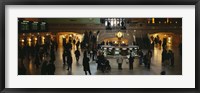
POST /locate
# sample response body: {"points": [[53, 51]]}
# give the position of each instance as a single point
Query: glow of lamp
{"points": [[22, 40], [43, 38], [167, 20], [153, 20], [169, 39], [29, 40]]}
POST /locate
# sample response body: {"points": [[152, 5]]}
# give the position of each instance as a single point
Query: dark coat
{"points": [[44, 69], [86, 65], [77, 53], [131, 60], [69, 60], [51, 69]]}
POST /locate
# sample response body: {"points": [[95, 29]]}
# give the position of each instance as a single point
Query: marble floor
{"points": [[77, 68]]}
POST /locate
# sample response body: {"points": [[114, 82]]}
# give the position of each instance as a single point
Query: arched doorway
{"points": [[67, 35], [172, 39]]}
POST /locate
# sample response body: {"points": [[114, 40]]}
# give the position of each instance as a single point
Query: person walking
{"points": [[149, 56], [164, 57], [69, 62], [77, 54], [94, 54], [77, 44], [140, 57], [171, 58], [86, 65], [131, 61], [52, 54]]}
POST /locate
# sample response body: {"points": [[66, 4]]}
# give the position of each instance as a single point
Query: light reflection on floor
{"points": [[77, 68]]}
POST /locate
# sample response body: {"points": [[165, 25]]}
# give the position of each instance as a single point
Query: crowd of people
{"points": [[87, 47], [44, 55], [41, 54]]}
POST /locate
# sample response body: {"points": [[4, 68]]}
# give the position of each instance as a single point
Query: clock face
{"points": [[119, 34]]}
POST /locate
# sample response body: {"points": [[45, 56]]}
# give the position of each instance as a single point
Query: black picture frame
{"points": [[3, 3]]}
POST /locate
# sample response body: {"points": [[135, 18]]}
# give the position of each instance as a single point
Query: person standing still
{"points": [[119, 61]]}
